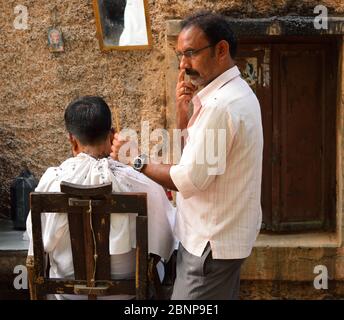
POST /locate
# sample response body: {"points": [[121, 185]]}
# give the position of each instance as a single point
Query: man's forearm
{"points": [[160, 173]]}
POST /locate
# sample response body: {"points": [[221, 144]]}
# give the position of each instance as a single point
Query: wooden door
{"points": [[297, 93]]}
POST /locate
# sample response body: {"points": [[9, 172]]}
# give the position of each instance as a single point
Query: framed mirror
{"points": [[122, 24]]}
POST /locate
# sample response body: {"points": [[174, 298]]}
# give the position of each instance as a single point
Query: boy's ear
{"points": [[74, 144], [112, 134]]}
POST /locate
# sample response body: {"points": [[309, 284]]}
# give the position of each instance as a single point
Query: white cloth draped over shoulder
{"points": [[135, 30], [86, 170]]}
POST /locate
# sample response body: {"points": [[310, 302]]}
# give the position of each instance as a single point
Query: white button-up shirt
{"points": [[219, 174]]}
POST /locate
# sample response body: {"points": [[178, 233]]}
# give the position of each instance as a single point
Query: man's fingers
{"points": [[186, 91], [181, 75], [117, 143], [114, 156], [185, 88], [115, 146], [191, 86], [186, 84], [118, 138]]}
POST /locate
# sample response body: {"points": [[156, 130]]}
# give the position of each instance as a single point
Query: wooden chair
{"points": [[88, 209]]}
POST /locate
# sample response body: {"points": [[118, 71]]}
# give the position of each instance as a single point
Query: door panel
{"points": [[295, 83], [300, 130]]}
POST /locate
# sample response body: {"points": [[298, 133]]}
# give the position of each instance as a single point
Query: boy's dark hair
{"points": [[88, 119], [215, 26]]}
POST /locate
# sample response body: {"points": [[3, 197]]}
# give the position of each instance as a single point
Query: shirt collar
{"points": [[83, 155], [217, 83]]}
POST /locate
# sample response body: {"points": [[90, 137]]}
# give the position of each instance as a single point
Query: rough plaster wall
{"points": [[36, 85]]}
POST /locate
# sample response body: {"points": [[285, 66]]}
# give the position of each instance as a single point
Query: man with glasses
{"points": [[219, 212]]}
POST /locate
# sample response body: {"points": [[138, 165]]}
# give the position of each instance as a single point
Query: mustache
{"points": [[191, 72]]}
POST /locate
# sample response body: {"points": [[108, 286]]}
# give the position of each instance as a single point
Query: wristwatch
{"points": [[139, 162]]}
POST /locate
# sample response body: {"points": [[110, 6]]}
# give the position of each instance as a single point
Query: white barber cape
{"points": [[85, 170], [135, 30]]}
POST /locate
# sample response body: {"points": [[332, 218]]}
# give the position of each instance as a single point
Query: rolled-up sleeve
{"points": [[180, 177]]}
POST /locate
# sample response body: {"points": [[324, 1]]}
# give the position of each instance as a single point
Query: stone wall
{"points": [[36, 85]]}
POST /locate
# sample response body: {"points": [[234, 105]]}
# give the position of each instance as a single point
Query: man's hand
{"points": [[184, 93], [160, 173], [117, 143]]}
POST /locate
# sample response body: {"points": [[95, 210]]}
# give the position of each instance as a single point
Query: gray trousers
{"points": [[205, 278]]}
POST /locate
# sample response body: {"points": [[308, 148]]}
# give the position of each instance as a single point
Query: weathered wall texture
{"points": [[36, 85]]}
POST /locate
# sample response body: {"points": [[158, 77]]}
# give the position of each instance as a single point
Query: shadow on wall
{"points": [[10, 146]]}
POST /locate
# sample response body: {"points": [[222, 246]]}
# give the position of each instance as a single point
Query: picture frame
{"points": [[55, 40], [122, 24]]}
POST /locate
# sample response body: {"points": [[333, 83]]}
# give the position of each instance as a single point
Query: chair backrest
{"points": [[88, 209]]}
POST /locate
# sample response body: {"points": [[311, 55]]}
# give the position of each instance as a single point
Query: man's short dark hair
{"points": [[215, 27], [88, 119]]}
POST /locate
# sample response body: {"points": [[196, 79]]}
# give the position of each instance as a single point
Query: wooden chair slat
{"points": [[88, 209]]}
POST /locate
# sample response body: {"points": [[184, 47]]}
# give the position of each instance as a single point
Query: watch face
{"points": [[138, 163]]}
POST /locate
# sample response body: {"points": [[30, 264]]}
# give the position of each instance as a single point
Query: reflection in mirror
{"points": [[112, 19], [122, 24]]}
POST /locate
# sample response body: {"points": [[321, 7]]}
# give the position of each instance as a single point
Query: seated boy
{"points": [[88, 122]]}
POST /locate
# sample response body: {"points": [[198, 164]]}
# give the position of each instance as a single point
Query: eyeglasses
{"points": [[191, 53]]}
